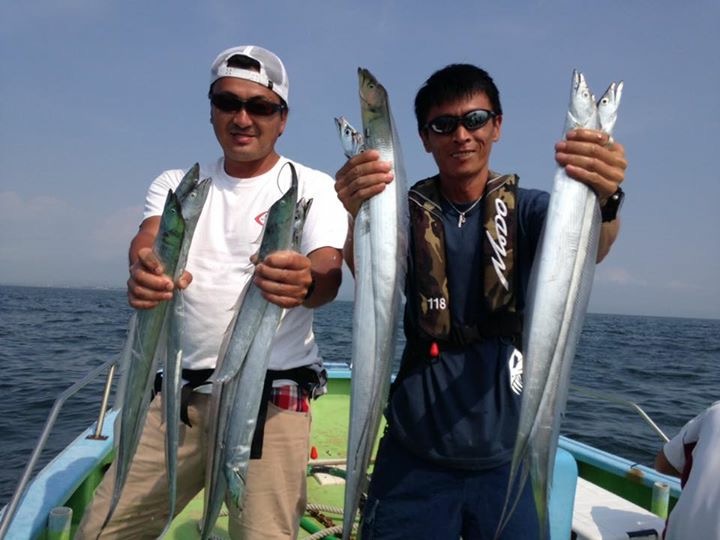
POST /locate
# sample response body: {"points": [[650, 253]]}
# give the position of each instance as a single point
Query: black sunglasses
{"points": [[472, 120], [227, 102]]}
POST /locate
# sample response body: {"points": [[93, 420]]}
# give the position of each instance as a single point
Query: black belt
{"points": [[194, 378], [308, 382]]}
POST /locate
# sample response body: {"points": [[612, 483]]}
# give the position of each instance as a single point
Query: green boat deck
{"points": [[329, 437]]}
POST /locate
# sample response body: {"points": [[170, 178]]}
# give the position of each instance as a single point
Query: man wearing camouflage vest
{"points": [[442, 467]]}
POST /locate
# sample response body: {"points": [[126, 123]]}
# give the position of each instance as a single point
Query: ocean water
{"points": [[50, 338]]}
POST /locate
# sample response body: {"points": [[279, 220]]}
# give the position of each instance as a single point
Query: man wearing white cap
{"points": [[249, 111]]}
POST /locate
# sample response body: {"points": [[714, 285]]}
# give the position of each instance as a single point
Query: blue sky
{"points": [[98, 97]]}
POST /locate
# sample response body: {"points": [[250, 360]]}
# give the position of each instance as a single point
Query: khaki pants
{"points": [[275, 494]]}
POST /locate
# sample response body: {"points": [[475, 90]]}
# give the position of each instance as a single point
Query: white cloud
{"points": [[47, 240], [43, 208], [617, 275]]}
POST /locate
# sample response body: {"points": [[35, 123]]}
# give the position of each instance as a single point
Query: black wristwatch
{"points": [[610, 209]]}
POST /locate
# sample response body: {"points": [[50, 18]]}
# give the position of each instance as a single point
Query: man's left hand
{"points": [[593, 158]]}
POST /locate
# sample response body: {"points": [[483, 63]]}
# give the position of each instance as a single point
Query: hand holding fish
{"points": [[148, 285], [284, 278], [362, 176], [593, 158]]}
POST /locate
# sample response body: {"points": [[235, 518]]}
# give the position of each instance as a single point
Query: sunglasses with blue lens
{"points": [[230, 103], [447, 124]]}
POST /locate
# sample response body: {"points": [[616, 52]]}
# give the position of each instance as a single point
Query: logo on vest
{"points": [[516, 371], [499, 245]]}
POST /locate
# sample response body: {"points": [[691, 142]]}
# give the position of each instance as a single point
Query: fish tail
{"points": [[111, 510], [517, 478]]}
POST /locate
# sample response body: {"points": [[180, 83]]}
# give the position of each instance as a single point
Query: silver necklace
{"points": [[461, 215]]}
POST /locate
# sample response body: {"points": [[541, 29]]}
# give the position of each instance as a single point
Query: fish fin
{"points": [[125, 360], [236, 487]]}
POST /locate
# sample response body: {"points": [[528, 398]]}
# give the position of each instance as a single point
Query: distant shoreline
{"points": [[112, 288], [79, 287]]}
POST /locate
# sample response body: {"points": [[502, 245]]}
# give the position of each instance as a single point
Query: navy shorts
{"points": [[414, 498]]}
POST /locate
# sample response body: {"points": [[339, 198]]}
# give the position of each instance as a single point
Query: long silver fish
{"points": [[241, 428], [558, 294], [192, 200], [249, 320], [543, 447], [380, 243], [139, 365]]}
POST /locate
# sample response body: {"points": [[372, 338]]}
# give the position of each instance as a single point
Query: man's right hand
{"points": [[148, 285], [362, 176]]}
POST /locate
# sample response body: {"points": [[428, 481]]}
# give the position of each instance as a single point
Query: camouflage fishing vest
{"points": [[431, 296]]}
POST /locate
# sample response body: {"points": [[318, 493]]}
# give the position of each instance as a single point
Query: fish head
{"points": [[193, 202], [172, 226], [372, 93], [350, 138], [608, 106], [277, 232], [302, 208], [172, 212], [188, 182], [289, 198], [582, 111]]}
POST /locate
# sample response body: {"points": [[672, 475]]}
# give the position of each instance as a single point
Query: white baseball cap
{"points": [[272, 72]]}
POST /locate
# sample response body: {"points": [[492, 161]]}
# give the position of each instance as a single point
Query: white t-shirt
{"points": [[228, 232], [695, 451]]}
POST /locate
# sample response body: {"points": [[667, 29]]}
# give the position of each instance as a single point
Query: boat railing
{"points": [[110, 365], [603, 396]]}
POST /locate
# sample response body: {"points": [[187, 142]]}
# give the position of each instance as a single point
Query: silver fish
{"points": [[140, 366], [380, 243], [543, 447], [350, 138], [241, 428], [192, 202], [558, 294], [250, 318]]}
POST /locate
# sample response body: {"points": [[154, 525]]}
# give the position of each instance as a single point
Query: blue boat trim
{"points": [[612, 463], [59, 479]]}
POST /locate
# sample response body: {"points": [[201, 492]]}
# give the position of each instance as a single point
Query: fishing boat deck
{"points": [[603, 488], [598, 513]]}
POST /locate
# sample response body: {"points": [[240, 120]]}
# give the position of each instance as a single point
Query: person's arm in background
{"points": [[664, 466]]}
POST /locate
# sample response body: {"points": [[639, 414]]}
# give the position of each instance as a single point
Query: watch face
{"points": [[617, 199]]}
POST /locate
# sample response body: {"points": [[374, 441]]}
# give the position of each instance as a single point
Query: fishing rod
{"points": [[617, 399]]}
